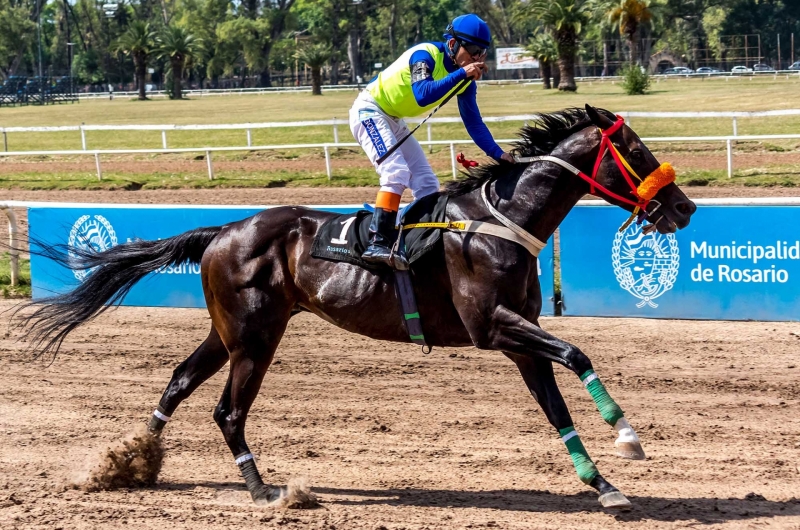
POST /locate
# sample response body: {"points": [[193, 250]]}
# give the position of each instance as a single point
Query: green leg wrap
{"points": [[608, 408], [580, 458]]}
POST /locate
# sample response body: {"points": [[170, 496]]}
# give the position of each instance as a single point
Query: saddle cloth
{"points": [[345, 237]]}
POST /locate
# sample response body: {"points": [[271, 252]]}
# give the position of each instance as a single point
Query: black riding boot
{"points": [[383, 234]]}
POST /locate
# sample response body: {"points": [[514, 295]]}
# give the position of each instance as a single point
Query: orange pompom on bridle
{"points": [[663, 175]]}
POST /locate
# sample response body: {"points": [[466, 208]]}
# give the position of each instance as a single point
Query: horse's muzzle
{"points": [[668, 217]]}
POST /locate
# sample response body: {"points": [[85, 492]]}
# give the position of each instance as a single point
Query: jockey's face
{"points": [[464, 57]]}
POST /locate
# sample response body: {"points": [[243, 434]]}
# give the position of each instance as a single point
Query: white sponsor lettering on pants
{"points": [[407, 167]]}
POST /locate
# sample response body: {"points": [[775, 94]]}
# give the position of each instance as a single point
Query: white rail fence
{"points": [[335, 123], [12, 241], [326, 148]]}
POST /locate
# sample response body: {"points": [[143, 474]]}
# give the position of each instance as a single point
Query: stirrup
{"points": [[397, 257], [386, 256], [399, 261]]}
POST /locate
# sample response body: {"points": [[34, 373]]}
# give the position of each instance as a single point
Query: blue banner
{"points": [[106, 226], [733, 262], [547, 278]]}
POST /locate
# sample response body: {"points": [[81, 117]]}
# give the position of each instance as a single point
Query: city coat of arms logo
{"points": [[645, 265], [92, 232]]}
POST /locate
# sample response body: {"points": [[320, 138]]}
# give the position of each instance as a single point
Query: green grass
{"points": [[740, 93], [149, 181], [23, 290], [671, 95], [786, 176]]}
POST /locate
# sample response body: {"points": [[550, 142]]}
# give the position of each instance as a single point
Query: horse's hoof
{"points": [[266, 495], [614, 500], [632, 450]]}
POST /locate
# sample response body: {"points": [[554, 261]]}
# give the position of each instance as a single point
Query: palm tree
{"points": [[177, 45], [564, 19], [630, 15], [315, 56], [543, 48], [139, 40]]}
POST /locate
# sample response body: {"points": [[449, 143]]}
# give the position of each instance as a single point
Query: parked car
{"points": [[762, 68], [795, 66], [741, 70], [678, 70], [707, 70]]}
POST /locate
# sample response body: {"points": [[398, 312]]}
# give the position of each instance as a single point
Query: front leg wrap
{"points": [[609, 410], [584, 466]]}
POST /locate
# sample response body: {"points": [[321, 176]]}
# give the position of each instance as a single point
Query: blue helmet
{"points": [[470, 28]]}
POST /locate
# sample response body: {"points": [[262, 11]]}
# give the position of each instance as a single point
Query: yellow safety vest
{"points": [[392, 89]]}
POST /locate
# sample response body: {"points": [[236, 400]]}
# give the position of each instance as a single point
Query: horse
{"points": [[472, 289]]}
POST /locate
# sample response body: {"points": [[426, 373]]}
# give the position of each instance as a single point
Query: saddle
{"points": [[346, 237]]}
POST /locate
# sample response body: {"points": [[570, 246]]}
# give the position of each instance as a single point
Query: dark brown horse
{"points": [[473, 290]]}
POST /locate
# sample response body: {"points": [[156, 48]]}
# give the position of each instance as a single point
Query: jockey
{"points": [[417, 82]]}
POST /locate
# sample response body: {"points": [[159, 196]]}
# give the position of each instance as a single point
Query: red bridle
{"points": [[622, 165], [644, 192]]}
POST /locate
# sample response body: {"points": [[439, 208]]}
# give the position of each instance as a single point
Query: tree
{"points": [[281, 57], [543, 48], [250, 40], [509, 20], [177, 45], [564, 19], [327, 21], [315, 56], [278, 18], [17, 34], [769, 18], [630, 16], [204, 17], [139, 41]]}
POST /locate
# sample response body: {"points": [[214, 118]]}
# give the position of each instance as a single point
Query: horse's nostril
{"points": [[685, 207]]}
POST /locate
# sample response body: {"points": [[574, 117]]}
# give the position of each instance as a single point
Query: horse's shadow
{"points": [[705, 510]]}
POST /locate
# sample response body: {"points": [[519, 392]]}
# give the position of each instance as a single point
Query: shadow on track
{"points": [[703, 510]]}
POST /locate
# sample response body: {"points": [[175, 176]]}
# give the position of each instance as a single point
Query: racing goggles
{"points": [[473, 50]]}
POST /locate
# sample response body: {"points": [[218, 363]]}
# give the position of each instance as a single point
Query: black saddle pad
{"points": [[345, 237]]}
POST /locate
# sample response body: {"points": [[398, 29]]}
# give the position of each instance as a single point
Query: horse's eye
{"points": [[637, 154]]}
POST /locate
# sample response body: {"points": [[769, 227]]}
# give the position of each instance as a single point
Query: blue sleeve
{"points": [[427, 91], [468, 107]]}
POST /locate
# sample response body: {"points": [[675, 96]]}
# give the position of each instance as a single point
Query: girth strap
{"points": [[510, 232]]}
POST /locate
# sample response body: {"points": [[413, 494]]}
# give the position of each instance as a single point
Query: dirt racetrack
{"points": [[391, 438]]}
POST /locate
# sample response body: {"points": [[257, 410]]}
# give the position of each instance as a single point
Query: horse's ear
{"points": [[598, 119]]}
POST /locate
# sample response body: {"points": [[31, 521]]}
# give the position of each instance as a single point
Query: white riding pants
{"points": [[377, 132]]}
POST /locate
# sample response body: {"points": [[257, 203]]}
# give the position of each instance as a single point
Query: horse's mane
{"points": [[540, 138]]}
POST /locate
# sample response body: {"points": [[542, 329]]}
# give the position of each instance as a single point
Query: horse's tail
{"points": [[116, 271]]}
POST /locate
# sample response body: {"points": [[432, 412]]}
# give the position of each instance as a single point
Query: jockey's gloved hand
{"points": [[476, 70], [507, 157]]}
